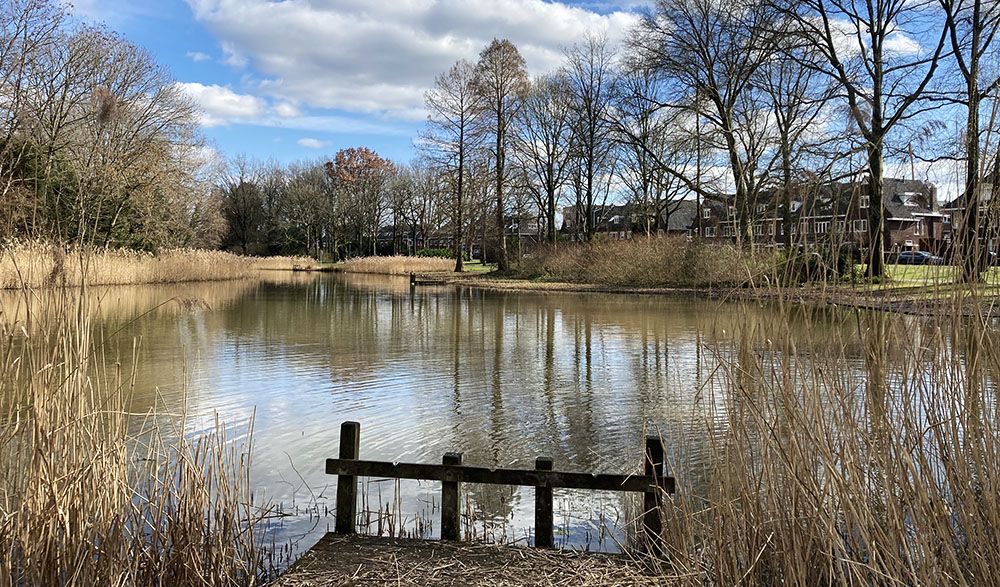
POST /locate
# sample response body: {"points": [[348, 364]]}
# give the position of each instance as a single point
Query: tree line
{"points": [[719, 100], [97, 143]]}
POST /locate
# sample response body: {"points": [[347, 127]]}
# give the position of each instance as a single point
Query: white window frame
{"points": [[864, 202], [710, 231], [918, 228], [706, 212]]}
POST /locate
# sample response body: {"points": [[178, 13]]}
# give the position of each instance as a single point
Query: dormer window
{"points": [[761, 208], [864, 202], [706, 212], [732, 211]]}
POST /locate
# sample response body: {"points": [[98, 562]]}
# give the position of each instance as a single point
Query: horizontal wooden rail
{"points": [[521, 477], [452, 473]]}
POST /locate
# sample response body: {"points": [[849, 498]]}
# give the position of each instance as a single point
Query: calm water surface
{"points": [[503, 377]]}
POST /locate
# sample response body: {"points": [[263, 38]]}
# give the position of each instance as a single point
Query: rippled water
{"points": [[503, 377]]}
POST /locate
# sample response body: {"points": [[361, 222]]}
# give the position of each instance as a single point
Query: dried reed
{"points": [[642, 262], [92, 495], [40, 264], [397, 265], [869, 458]]}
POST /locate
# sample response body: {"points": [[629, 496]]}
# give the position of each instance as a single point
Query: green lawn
{"points": [[479, 267], [924, 275]]}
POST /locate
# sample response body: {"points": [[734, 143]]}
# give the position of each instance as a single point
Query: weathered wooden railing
{"points": [[452, 473]]}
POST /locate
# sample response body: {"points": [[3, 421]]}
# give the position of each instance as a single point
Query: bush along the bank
{"points": [[654, 262]]}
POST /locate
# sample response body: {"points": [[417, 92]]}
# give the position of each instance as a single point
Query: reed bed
{"points": [[642, 262], [397, 265], [92, 494], [872, 459], [37, 265]]}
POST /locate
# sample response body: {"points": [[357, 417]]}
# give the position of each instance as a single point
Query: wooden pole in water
{"points": [[543, 508], [347, 485], [450, 504], [652, 500]]}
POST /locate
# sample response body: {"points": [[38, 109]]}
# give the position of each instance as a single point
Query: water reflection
{"points": [[502, 376]]}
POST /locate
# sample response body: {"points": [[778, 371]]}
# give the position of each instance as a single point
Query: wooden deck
{"points": [[340, 560]]}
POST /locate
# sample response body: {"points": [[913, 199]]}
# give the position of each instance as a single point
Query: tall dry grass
{"points": [[90, 496], [397, 265], [872, 458], [40, 264], [641, 262]]}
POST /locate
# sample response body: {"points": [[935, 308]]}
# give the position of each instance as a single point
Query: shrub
{"points": [[657, 262]]}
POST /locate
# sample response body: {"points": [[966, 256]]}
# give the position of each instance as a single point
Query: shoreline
{"points": [[907, 300]]}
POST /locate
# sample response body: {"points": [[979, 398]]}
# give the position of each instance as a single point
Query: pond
{"points": [[503, 377]]}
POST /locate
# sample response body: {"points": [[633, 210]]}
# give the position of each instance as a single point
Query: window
{"points": [[795, 229], [822, 227], [864, 202], [710, 231], [860, 226], [761, 208], [918, 228], [770, 228], [946, 220], [732, 211], [706, 212]]}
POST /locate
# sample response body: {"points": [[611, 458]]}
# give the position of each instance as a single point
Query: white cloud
{"points": [[286, 110], [313, 143], [902, 45], [220, 105], [380, 57], [198, 56]]}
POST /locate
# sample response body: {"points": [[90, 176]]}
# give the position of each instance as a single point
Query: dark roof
{"points": [[902, 198], [683, 217]]}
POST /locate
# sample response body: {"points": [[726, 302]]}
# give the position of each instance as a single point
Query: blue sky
{"points": [[300, 79]]}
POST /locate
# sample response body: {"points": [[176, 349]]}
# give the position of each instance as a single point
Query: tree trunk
{"points": [[876, 211]]}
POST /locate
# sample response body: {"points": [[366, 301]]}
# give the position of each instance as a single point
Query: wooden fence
{"points": [[452, 473]]}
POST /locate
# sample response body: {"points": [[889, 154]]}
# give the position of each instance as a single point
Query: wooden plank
{"points": [[651, 500], [543, 508], [525, 477], [347, 483], [450, 501]]}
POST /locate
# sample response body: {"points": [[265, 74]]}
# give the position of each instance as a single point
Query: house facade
{"points": [[838, 213], [626, 221]]}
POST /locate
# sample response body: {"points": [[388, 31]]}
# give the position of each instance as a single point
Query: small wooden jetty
{"points": [[345, 558], [416, 280]]}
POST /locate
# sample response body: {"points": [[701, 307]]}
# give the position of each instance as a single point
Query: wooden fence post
{"points": [[543, 507], [450, 504], [652, 500], [347, 485]]}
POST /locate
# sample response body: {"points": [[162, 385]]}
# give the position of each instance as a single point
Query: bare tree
{"points": [[590, 71], [708, 52], [883, 85], [454, 106], [972, 26], [502, 82], [544, 143], [651, 139]]}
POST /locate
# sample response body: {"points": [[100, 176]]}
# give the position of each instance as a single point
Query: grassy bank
{"points": [[642, 263], [46, 265], [91, 494]]}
